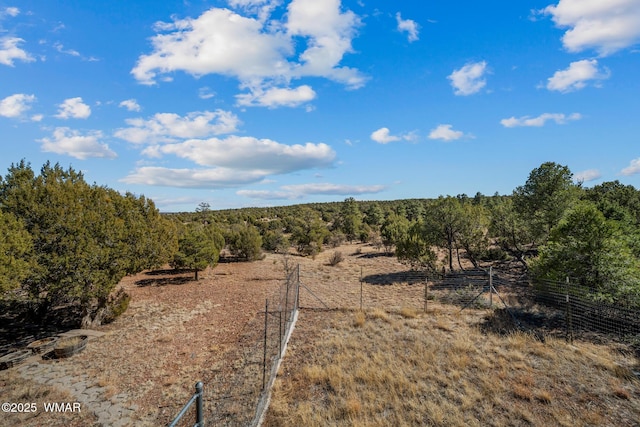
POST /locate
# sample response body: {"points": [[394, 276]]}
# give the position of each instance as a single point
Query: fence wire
{"points": [[239, 391], [559, 306], [583, 311]]}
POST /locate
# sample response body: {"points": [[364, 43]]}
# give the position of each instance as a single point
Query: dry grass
{"points": [[14, 388], [359, 319], [395, 369]]}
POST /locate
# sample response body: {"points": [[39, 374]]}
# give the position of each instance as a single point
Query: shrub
{"points": [[117, 305], [336, 239], [336, 258], [245, 242]]}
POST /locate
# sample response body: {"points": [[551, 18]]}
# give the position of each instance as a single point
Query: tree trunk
{"points": [[196, 274], [93, 318]]}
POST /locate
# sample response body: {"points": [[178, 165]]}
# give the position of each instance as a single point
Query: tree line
{"points": [[64, 241]]}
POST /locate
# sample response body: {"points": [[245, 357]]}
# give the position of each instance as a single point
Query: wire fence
{"points": [[531, 304], [238, 393], [584, 311], [239, 390]]}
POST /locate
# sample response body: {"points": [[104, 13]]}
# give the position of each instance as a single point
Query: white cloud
{"points": [[632, 169], [205, 93], [131, 105], [333, 189], [193, 178], [231, 162], [298, 191], [328, 33], [10, 11], [70, 142], [260, 8], [469, 79], [409, 26], [37, 118], [248, 153], [60, 48], [73, 108], [9, 51], [16, 105], [445, 133], [170, 127], [576, 76], [217, 42], [277, 97], [258, 52], [540, 120], [606, 26], [383, 136], [588, 175]]}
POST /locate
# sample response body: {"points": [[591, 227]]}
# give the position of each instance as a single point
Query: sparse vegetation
{"points": [[336, 258], [443, 371]]}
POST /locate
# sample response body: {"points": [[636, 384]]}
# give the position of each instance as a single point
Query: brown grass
{"points": [[396, 369], [14, 388]]}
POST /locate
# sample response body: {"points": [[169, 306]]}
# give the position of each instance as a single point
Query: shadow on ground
{"points": [[19, 327], [411, 277], [166, 277]]}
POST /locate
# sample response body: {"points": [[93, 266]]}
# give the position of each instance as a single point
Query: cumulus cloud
{"points": [[541, 120], [587, 175], [299, 191], [576, 76], [606, 26], [277, 97], [73, 108], [131, 105], [632, 169], [170, 127], [10, 52], [469, 79], [408, 26], [383, 136], [260, 53], [192, 178], [446, 133], [72, 143], [231, 161], [16, 105], [249, 153], [260, 8]]}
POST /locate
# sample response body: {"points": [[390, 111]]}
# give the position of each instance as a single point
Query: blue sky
{"points": [[261, 103]]}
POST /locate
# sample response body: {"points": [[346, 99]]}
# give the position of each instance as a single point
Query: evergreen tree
{"points": [[199, 247], [15, 252]]}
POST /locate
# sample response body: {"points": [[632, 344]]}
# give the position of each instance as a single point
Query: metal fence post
{"points": [[568, 316], [280, 332], [199, 405], [286, 300], [360, 288], [264, 356], [298, 290], [490, 286], [426, 293]]}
